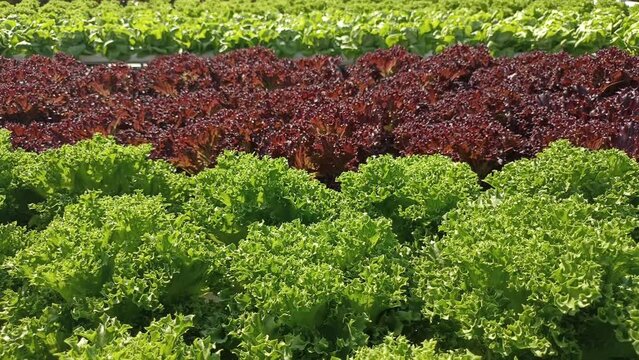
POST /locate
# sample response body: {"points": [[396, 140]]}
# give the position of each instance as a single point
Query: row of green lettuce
{"points": [[107, 254], [277, 6], [107, 29]]}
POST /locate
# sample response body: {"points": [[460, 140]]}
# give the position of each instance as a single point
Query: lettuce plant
{"points": [[414, 192], [37, 336], [399, 348], [243, 189], [533, 275], [163, 339], [315, 290], [562, 170], [59, 176], [122, 256], [14, 200], [97, 164], [12, 239]]}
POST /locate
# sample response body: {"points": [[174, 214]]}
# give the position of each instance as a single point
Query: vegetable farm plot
{"points": [[303, 28], [106, 253], [323, 179], [325, 116]]}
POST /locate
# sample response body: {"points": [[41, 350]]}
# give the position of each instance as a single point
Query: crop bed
{"points": [[106, 253], [348, 28], [327, 117], [319, 179]]}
